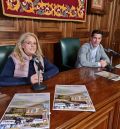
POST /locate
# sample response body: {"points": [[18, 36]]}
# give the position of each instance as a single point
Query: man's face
{"points": [[96, 39]]}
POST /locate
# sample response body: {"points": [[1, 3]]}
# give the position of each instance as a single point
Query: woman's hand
{"points": [[34, 78]]}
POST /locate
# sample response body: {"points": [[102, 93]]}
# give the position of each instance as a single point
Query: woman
{"points": [[21, 67]]}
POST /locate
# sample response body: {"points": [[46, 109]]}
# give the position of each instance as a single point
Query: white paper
{"points": [[72, 98], [109, 75], [117, 66], [27, 111]]}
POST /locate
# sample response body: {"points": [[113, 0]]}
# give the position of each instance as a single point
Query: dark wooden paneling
{"points": [[50, 32], [48, 50]]}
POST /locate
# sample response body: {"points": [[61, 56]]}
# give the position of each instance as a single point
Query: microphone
{"points": [[106, 50], [38, 63], [112, 51], [38, 86]]}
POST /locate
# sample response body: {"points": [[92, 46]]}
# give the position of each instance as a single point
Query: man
{"points": [[92, 54]]}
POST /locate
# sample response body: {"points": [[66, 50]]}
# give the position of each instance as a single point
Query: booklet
{"points": [[72, 98], [109, 75], [2, 96], [117, 66], [27, 111]]}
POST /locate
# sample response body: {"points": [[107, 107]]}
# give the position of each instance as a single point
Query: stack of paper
{"points": [[72, 98], [27, 111], [117, 66], [109, 75]]}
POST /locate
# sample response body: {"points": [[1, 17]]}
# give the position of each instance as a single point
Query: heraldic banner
{"points": [[65, 10]]}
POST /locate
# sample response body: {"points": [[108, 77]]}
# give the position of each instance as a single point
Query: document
{"points": [[27, 111], [2, 96], [109, 75], [72, 98], [117, 66]]}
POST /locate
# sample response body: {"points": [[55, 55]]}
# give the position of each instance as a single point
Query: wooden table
{"points": [[104, 93]]}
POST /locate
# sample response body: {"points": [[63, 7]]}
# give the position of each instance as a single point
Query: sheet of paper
{"points": [[72, 98], [27, 111], [117, 66], [109, 75]]}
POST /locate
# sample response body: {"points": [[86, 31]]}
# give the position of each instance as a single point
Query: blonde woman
{"points": [[21, 68]]}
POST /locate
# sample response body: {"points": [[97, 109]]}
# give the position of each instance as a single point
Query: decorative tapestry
{"points": [[66, 10]]}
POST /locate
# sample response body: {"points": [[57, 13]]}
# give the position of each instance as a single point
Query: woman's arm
{"points": [[50, 70], [7, 76]]}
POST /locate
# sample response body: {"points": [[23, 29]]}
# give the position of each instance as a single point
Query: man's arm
{"points": [[104, 55], [83, 58]]}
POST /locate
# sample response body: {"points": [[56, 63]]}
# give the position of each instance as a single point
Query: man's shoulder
{"points": [[86, 45], [101, 46]]}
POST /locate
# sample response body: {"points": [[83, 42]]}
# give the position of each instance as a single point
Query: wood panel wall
{"points": [[50, 32]]}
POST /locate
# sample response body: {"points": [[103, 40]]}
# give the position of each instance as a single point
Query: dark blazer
{"points": [[7, 76]]}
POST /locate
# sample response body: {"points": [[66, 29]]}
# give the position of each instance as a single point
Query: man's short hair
{"points": [[96, 32]]}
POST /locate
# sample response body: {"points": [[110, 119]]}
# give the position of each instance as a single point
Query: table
{"points": [[105, 95]]}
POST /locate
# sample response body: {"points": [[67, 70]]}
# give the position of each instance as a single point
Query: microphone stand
{"points": [[39, 86], [110, 67], [111, 60]]}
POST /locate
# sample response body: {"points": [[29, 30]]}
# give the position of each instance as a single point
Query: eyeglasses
{"points": [[31, 43]]}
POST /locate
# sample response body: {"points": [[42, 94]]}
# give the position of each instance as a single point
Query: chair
{"points": [[69, 49], [4, 53]]}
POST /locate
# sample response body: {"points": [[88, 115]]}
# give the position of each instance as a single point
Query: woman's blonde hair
{"points": [[18, 47]]}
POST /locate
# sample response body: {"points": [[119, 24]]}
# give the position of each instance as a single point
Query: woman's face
{"points": [[29, 46]]}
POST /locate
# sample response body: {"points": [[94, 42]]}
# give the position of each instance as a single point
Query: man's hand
{"points": [[103, 63]]}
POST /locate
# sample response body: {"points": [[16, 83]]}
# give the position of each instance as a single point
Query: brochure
{"points": [[3, 98], [27, 111], [2, 95], [109, 75], [117, 66], [72, 98]]}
